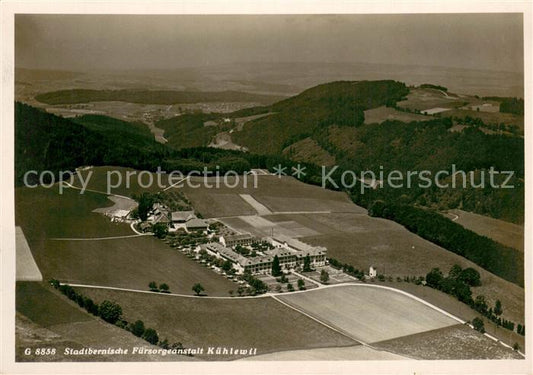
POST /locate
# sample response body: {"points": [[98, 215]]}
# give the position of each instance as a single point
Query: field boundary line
{"points": [[96, 191], [419, 300], [171, 186], [159, 293], [338, 330], [320, 321]]}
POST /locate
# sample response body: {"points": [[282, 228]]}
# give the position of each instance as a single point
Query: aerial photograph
{"points": [[269, 187]]}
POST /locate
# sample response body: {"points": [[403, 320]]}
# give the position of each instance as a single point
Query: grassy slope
{"points": [[262, 323], [44, 213], [47, 319], [456, 342]]}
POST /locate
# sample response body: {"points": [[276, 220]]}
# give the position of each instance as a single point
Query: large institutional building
{"points": [[290, 252]]}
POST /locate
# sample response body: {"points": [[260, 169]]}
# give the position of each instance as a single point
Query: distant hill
{"points": [[76, 96], [337, 103]]}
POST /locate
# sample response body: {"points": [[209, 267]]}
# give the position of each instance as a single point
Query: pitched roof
{"points": [[196, 223], [183, 215]]}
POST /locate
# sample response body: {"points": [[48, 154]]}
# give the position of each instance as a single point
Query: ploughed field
{"points": [[369, 314]]}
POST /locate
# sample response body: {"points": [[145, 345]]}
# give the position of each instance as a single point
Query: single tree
{"points": [[301, 284], [151, 336], [153, 286], [110, 311], [164, 288], [290, 288], [137, 328], [198, 288], [478, 324], [307, 264], [324, 276], [498, 308], [276, 268], [226, 266]]}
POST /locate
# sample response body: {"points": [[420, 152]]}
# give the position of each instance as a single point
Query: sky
{"points": [[124, 42]]}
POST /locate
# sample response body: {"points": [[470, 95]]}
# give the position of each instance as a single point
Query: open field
{"points": [[128, 263], [262, 322], [44, 213], [506, 233], [102, 177], [27, 269], [350, 353], [47, 319], [423, 99], [262, 226], [380, 114], [488, 117], [463, 311], [454, 342], [278, 195], [363, 241], [369, 314]]}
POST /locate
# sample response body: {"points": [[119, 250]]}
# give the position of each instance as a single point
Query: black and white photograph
{"points": [[266, 188]]}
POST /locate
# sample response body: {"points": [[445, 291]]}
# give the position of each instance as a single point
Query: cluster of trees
{"points": [[431, 86], [503, 261], [257, 286], [244, 251], [163, 288], [479, 123], [183, 238], [457, 283], [109, 311], [347, 268]]}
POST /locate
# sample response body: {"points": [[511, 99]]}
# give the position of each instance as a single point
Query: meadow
{"points": [[128, 263], [261, 322]]}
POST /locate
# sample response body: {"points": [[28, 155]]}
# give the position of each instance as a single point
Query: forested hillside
{"points": [[337, 103]]}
